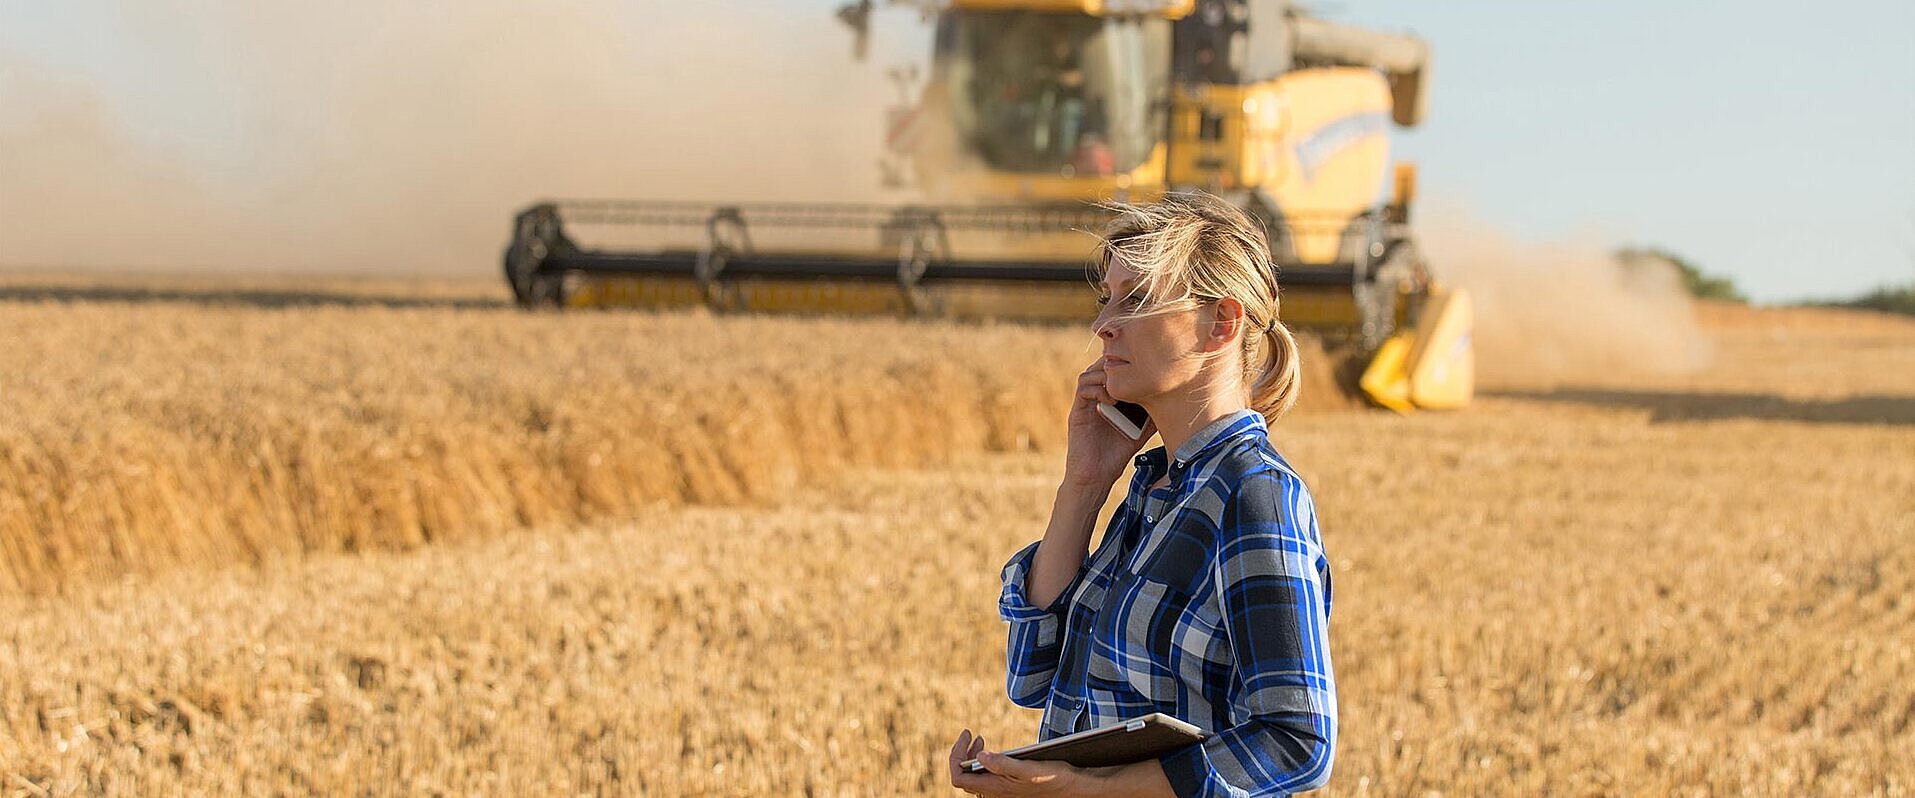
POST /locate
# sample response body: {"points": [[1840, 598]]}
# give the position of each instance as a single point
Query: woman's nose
{"points": [[1104, 326]]}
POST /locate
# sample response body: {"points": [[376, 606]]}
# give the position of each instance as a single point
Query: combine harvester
{"points": [[1033, 112]]}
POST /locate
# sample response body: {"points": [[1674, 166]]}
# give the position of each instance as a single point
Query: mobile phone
{"points": [[1126, 416]]}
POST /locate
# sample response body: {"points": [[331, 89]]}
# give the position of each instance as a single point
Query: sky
{"points": [[1771, 143]]}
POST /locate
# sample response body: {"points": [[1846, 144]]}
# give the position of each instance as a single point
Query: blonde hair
{"points": [[1193, 247]]}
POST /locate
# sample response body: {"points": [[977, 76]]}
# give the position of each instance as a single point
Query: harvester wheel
{"points": [[533, 240]]}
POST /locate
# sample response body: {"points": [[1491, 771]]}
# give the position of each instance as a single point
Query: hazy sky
{"points": [[1773, 142], [1770, 142]]}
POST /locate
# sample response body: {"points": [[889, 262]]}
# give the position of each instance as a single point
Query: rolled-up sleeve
{"points": [[1273, 589], [1036, 640]]}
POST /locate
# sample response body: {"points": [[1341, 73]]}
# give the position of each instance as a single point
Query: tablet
{"points": [[1148, 737]]}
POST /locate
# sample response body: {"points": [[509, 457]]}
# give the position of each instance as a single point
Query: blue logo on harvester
{"points": [[1332, 138]]}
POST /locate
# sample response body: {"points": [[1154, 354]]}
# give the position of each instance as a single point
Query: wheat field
{"points": [[381, 539]]}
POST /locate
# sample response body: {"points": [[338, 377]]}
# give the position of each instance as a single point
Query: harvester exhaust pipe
{"points": [[857, 15]]}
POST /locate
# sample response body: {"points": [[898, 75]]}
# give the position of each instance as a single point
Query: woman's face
{"points": [[1146, 357]]}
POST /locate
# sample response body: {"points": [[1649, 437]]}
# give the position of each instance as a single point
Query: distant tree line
{"points": [[1702, 285], [1698, 283], [1888, 298]]}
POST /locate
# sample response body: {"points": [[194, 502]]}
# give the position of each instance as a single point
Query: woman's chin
{"points": [[1122, 391]]}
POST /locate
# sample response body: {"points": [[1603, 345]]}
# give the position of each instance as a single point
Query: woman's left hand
{"points": [[1004, 776]]}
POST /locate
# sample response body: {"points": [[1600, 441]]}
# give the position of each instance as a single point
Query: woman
{"points": [[1209, 597]]}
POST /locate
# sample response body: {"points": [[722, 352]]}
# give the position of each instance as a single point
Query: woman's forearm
{"points": [[1144, 779], [1066, 542]]}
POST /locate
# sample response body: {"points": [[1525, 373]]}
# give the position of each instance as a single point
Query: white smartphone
{"points": [[1128, 417]]}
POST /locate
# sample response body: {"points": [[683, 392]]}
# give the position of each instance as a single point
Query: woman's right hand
{"points": [[1098, 450]]}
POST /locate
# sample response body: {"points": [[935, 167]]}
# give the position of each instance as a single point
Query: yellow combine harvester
{"points": [[1034, 110]]}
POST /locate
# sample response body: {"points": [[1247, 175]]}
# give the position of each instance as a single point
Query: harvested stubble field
{"points": [[674, 555]]}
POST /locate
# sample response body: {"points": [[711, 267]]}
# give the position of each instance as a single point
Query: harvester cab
{"points": [[1035, 111]]}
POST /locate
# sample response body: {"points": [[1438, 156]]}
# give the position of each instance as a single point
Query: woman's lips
{"points": [[1114, 361]]}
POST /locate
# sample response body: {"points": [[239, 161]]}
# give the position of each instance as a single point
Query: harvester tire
{"points": [[533, 240]]}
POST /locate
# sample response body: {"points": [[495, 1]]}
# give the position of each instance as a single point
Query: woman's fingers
{"points": [[1096, 394], [960, 751], [969, 747], [1091, 387]]}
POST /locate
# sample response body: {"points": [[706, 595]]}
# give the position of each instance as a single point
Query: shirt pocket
{"points": [[1177, 559], [1135, 639]]}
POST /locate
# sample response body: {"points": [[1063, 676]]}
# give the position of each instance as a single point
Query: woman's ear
{"points": [[1226, 324]]}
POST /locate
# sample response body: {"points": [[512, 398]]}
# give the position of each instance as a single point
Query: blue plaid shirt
{"points": [[1208, 600]]}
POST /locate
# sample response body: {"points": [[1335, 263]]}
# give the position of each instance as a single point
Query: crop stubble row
{"points": [[142, 436]]}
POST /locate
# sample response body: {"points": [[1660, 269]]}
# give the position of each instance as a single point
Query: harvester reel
{"points": [[925, 242], [536, 237], [725, 234]]}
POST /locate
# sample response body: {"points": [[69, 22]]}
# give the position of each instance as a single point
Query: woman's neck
{"points": [[1179, 416]]}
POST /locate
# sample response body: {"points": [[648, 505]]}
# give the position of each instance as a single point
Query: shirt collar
{"points": [[1215, 434]]}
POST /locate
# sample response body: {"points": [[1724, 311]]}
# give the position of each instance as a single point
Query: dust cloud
{"points": [[1562, 311], [368, 137]]}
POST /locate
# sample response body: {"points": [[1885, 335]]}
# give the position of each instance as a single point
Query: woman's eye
{"points": [[1102, 301]]}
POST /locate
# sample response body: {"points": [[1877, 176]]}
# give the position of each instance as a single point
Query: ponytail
{"points": [[1278, 380]]}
